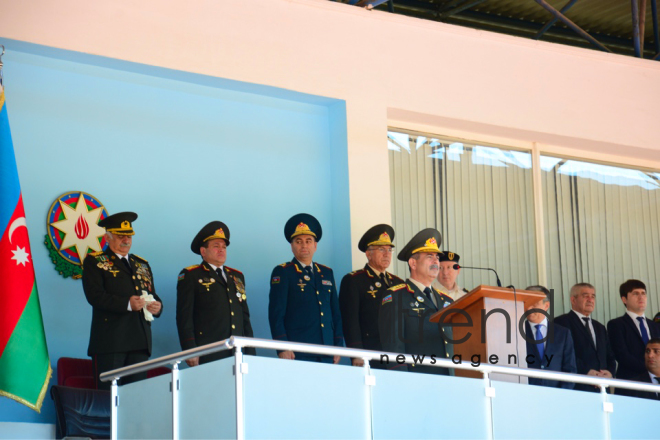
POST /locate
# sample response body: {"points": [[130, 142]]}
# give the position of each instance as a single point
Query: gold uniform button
{"points": [[136, 288], [232, 313], [320, 303], [133, 276], [229, 301], [321, 313], [233, 326], [200, 333], [322, 325]]}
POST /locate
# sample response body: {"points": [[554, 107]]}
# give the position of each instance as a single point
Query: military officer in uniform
{"points": [[303, 304], [449, 271], [362, 291], [211, 303], [120, 288], [411, 304]]}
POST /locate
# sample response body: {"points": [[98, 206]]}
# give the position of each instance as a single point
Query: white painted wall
{"points": [[389, 69]]}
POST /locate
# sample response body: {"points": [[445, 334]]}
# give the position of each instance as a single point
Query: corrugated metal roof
{"points": [[609, 21]]}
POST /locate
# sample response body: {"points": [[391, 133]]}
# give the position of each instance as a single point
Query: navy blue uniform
{"points": [[302, 310], [405, 327]]}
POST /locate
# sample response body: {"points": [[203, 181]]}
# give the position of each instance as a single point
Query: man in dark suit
{"points": [[303, 305], [406, 308], [593, 352], [549, 346], [211, 303], [362, 291], [630, 333], [120, 288], [652, 373]]}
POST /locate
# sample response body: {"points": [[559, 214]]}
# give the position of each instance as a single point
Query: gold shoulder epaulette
{"points": [[322, 265], [96, 254], [140, 258], [355, 272], [231, 269], [397, 287], [194, 266], [285, 264]]}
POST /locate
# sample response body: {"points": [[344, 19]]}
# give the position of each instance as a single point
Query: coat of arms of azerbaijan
{"points": [[73, 231]]}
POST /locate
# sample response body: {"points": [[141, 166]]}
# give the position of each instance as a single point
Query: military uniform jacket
{"points": [[208, 310], [405, 328], [108, 286], [360, 296], [301, 310]]}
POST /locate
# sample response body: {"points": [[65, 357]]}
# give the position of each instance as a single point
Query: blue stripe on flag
{"points": [[11, 189]]}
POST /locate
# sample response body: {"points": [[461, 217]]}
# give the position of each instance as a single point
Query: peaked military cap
{"points": [[211, 231], [302, 224], [425, 241], [120, 223], [449, 256], [379, 235]]}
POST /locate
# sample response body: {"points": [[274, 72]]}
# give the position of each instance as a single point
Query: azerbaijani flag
{"points": [[24, 364]]}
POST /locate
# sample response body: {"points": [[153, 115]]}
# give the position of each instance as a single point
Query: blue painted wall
{"points": [[180, 150]]}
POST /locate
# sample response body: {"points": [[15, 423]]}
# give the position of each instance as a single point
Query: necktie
{"points": [[127, 264], [642, 328], [429, 295], [221, 275], [383, 280], [310, 273], [586, 325], [539, 336]]}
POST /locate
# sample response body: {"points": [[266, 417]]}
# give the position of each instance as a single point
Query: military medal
{"points": [[302, 285], [420, 299], [378, 284], [307, 278], [206, 283], [244, 297], [372, 291], [239, 285]]}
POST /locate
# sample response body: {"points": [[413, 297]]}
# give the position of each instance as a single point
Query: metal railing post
{"points": [[114, 402], [238, 373], [489, 392], [175, 401], [369, 382], [608, 407]]}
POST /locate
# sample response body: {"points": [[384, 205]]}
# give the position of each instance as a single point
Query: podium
{"points": [[494, 335]]}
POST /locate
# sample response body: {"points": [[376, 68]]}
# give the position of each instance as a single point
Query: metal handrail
{"points": [[239, 341]]}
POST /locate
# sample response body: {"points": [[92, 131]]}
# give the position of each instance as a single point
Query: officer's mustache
{"points": [[435, 266]]}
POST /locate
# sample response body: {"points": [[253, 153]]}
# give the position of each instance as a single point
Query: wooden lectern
{"points": [[493, 304]]}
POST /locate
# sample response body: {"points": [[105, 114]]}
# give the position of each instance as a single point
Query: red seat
{"points": [[75, 373], [78, 373], [158, 371]]}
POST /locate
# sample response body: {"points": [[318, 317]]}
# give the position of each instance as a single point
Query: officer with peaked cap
{"points": [[120, 287], [412, 303], [303, 304], [362, 291], [449, 271], [211, 302]]}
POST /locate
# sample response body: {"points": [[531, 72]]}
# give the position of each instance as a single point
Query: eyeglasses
{"points": [[384, 250]]}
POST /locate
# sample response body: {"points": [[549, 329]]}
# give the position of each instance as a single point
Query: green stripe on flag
{"points": [[24, 366]]}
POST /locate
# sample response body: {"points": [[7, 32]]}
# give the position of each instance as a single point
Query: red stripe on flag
{"points": [[16, 273]]}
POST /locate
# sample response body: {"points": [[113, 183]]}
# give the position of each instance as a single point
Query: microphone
{"points": [[499, 283]]}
